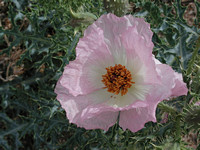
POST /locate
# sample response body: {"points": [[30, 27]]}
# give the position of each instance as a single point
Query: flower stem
{"points": [[178, 128]]}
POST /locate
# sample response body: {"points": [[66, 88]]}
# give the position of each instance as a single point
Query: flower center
{"points": [[117, 79]]}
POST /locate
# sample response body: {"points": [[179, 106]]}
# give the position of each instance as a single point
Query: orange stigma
{"points": [[117, 79]]}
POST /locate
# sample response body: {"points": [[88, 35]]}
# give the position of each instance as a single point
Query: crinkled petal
{"points": [[180, 87], [103, 121], [72, 107], [172, 81], [114, 26], [111, 25], [136, 46], [82, 111], [142, 28], [164, 90], [134, 119], [83, 114], [101, 117], [84, 75]]}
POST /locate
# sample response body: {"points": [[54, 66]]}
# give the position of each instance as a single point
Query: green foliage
{"points": [[117, 7], [47, 32]]}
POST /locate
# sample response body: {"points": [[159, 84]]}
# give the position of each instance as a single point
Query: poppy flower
{"points": [[115, 71]]}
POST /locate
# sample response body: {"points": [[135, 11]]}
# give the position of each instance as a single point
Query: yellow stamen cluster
{"points": [[117, 79]]}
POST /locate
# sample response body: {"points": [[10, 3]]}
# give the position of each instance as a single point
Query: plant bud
{"points": [[117, 7]]}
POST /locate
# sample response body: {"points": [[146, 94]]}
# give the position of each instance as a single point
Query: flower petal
{"points": [[134, 119], [114, 26], [98, 118], [79, 110], [83, 75], [142, 28], [180, 87], [84, 110], [172, 81], [136, 47], [118, 101]]}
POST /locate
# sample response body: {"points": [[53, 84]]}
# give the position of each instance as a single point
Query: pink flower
{"points": [[114, 71], [197, 103]]}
